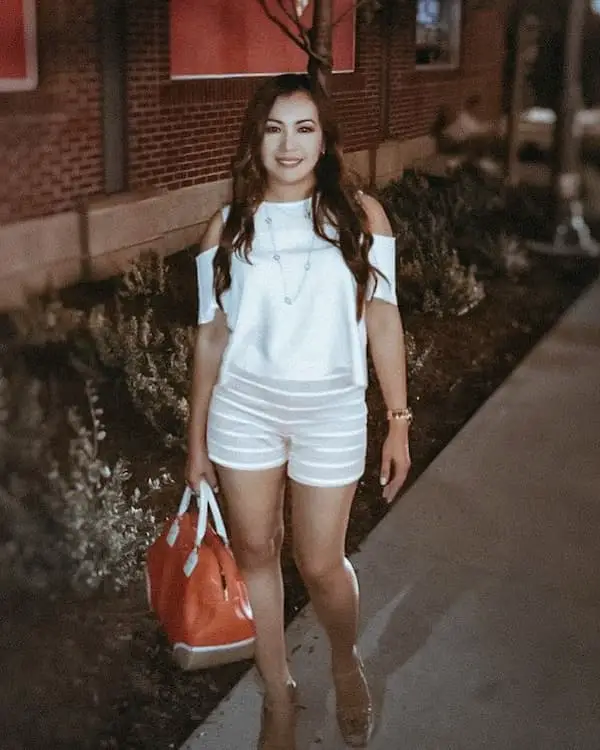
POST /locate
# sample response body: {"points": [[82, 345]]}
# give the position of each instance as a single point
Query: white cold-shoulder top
{"points": [[317, 337]]}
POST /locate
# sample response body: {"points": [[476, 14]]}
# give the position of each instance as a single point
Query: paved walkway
{"points": [[481, 587]]}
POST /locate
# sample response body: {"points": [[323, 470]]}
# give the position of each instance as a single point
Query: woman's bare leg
{"points": [[320, 520], [255, 512]]}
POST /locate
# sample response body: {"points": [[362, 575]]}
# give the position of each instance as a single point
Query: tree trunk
{"points": [[516, 103], [526, 47], [572, 233], [566, 138], [516, 106], [321, 36]]}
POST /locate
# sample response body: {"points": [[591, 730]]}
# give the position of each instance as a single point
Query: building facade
{"points": [[109, 155]]}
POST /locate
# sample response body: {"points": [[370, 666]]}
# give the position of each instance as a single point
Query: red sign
{"points": [[225, 38], [18, 45]]}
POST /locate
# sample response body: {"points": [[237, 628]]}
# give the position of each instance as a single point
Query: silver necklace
{"points": [[287, 297]]}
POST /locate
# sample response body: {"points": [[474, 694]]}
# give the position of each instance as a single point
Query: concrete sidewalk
{"points": [[481, 587]]}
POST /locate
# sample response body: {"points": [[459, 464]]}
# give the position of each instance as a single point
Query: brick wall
{"points": [[180, 133], [50, 138], [417, 95], [184, 133]]}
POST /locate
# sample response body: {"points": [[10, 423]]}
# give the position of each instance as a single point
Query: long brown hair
{"points": [[334, 200]]}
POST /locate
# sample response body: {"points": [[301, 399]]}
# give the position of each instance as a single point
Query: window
{"points": [[596, 6], [438, 33]]}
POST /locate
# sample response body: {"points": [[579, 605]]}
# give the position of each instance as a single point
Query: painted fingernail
{"points": [[382, 481]]}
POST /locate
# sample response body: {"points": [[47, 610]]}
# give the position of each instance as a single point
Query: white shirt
{"points": [[315, 338]]}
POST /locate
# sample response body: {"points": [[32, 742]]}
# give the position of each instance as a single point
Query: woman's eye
{"points": [[306, 129], [271, 129]]}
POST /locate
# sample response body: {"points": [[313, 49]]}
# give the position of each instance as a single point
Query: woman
{"points": [[293, 276]]}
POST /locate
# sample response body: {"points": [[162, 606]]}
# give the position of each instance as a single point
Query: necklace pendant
{"points": [[287, 300], [276, 257], [307, 266]]}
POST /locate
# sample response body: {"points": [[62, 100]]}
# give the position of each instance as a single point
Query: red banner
{"points": [[225, 38], [18, 45]]}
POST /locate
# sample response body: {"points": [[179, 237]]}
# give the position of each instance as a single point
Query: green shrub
{"points": [[154, 360], [430, 276], [70, 521], [464, 214], [43, 321]]}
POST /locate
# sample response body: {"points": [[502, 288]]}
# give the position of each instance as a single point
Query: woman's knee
{"points": [[318, 572], [254, 502], [252, 552]]}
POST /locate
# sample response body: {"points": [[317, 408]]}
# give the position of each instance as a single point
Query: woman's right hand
{"points": [[199, 467]]}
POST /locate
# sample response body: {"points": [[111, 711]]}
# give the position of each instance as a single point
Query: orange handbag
{"points": [[195, 587]]}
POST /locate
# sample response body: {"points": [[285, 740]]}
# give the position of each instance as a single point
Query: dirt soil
{"points": [[97, 674]]}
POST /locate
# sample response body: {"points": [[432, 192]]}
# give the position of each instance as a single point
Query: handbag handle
{"points": [[206, 500]]}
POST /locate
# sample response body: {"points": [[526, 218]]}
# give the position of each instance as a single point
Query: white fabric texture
{"points": [[318, 335], [318, 429]]}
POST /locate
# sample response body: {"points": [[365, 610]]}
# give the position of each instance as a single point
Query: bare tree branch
{"points": [[272, 17], [294, 17], [304, 37], [293, 14], [303, 41], [316, 56], [355, 6]]}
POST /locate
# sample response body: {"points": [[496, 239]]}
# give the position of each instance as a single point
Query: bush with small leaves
{"points": [[431, 278], [155, 362], [147, 277], [502, 255], [415, 358], [482, 221], [151, 349], [135, 334], [70, 522], [470, 209], [43, 321]]}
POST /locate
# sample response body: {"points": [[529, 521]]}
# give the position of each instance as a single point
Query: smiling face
{"points": [[291, 147]]}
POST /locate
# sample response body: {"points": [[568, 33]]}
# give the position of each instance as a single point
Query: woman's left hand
{"points": [[395, 459]]}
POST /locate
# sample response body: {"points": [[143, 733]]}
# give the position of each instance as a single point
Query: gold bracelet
{"points": [[405, 414]]}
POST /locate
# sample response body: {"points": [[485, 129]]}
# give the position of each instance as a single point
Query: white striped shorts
{"points": [[319, 429]]}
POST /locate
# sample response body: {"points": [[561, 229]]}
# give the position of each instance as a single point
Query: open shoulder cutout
{"points": [[376, 215], [212, 234]]}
